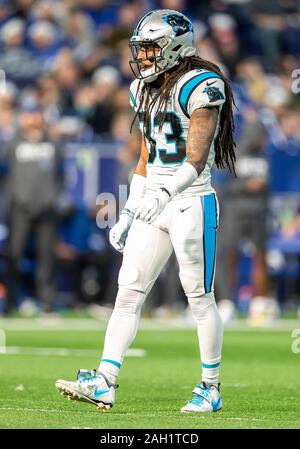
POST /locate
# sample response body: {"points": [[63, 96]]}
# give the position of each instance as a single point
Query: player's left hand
{"points": [[150, 208]]}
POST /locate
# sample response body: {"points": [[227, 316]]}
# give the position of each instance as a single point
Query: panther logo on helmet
{"points": [[179, 23]]}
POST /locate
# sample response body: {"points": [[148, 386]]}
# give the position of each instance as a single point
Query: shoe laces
{"points": [[92, 375], [81, 381], [87, 376]]}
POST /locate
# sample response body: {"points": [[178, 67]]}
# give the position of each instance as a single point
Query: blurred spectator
{"points": [[83, 255], [270, 22], [103, 13], [45, 42], [67, 75], [227, 43], [34, 183], [260, 86], [85, 103], [7, 130], [283, 150], [208, 50], [79, 27], [49, 96], [128, 15], [243, 215], [19, 64], [105, 80], [46, 10], [7, 112]]}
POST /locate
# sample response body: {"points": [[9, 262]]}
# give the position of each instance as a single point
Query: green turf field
{"points": [[260, 381]]}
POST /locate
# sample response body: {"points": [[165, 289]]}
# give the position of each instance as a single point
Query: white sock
{"points": [[210, 335], [110, 368], [121, 331]]}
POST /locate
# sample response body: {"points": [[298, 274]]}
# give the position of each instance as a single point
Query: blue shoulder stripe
{"points": [[132, 98], [188, 88]]}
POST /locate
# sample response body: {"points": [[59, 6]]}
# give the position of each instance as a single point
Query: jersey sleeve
{"points": [[133, 94], [206, 89]]}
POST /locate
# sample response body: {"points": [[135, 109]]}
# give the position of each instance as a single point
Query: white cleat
{"points": [[90, 386], [205, 399]]}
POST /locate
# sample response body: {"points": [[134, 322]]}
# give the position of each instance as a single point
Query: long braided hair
{"points": [[224, 142]]}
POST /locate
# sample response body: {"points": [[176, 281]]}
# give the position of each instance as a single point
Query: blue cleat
{"points": [[205, 399]]}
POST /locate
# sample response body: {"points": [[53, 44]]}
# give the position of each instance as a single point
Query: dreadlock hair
{"points": [[224, 142]]}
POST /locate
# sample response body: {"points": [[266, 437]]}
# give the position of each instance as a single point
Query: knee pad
{"points": [[129, 301], [200, 304]]}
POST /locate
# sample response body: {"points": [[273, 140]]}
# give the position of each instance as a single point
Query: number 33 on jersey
{"points": [[167, 147]]}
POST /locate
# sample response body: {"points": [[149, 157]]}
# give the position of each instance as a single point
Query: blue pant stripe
{"points": [[209, 238], [117, 364]]}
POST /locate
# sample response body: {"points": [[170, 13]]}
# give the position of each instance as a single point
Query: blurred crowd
{"points": [[67, 78]]}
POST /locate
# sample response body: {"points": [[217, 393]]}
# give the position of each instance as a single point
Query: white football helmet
{"points": [[169, 30]]}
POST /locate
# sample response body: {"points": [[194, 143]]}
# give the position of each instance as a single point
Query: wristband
{"points": [[184, 177]]}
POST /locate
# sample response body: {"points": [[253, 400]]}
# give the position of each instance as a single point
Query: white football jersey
{"points": [[167, 148]]}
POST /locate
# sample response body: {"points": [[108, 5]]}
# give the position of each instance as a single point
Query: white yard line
{"points": [[87, 324], [21, 409], [64, 352], [53, 324]]}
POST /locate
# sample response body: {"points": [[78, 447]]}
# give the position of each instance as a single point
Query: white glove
{"points": [[150, 208], [118, 233]]}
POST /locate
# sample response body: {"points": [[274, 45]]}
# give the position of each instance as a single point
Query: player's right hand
{"points": [[118, 233]]}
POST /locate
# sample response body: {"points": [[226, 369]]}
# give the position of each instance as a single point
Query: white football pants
{"points": [[189, 226]]}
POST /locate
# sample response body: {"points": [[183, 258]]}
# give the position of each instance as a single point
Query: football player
{"points": [[184, 108]]}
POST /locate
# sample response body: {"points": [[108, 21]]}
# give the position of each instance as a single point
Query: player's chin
{"points": [[146, 71]]}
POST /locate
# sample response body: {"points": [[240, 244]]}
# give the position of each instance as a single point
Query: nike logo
{"points": [[98, 392], [210, 84], [184, 209], [157, 29]]}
